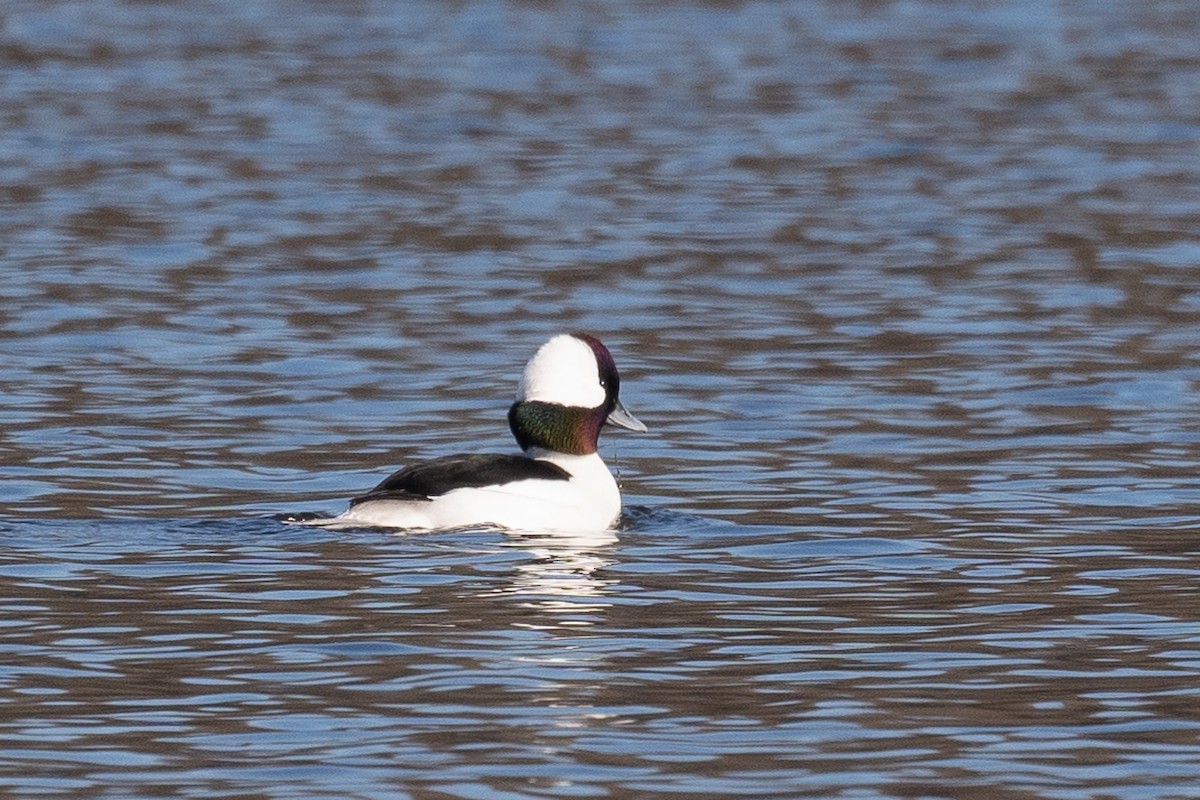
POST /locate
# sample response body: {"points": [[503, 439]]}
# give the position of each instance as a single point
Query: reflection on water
{"points": [[563, 568], [906, 291]]}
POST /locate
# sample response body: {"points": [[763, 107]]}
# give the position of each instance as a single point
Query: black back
{"points": [[435, 478]]}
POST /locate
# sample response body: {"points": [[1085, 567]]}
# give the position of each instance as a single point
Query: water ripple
{"points": [[903, 290]]}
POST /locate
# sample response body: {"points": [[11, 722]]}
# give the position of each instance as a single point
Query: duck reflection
{"points": [[563, 572]]}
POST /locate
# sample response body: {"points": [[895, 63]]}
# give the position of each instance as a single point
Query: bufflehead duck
{"points": [[568, 392]]}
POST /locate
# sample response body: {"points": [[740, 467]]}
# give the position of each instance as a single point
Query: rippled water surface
{"points": [[907, 292]]}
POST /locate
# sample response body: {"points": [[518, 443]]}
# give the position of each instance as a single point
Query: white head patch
{"points": [[563, 371]]}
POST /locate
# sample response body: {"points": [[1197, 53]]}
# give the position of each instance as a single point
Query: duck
{"points": [[568, 392]]}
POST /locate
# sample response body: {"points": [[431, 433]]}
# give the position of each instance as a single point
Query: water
{"points": [[907, 292]]}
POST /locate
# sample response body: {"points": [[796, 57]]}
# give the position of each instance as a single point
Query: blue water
{"points": [[678, 655], [907, 294]]}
